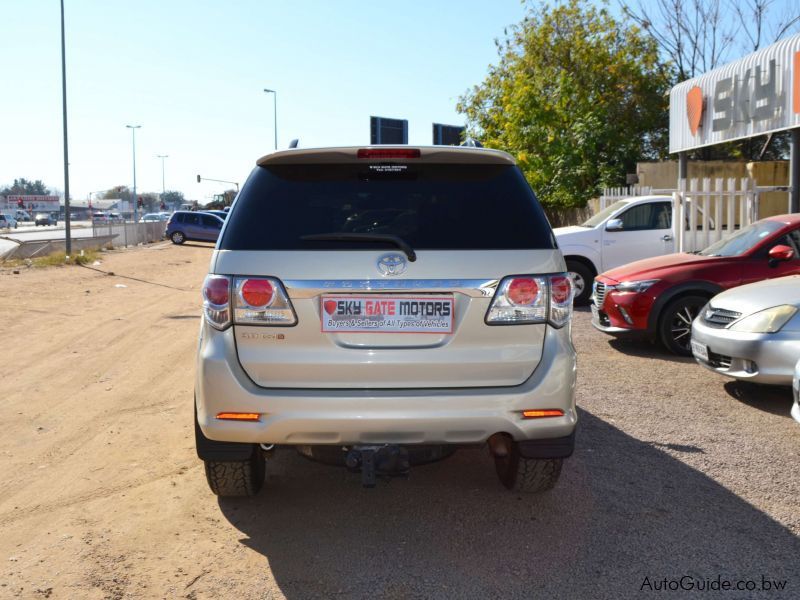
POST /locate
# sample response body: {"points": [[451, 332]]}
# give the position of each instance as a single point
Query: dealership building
{"points": [[755, 96]]}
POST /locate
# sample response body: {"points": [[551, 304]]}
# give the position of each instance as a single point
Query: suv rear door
{"points": [[470, 225]]}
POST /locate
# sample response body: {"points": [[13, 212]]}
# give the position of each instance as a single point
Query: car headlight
{"points": [[635, 286], [769, 320]]}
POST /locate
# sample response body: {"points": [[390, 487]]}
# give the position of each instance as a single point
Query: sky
{"points": [[192, 74]]}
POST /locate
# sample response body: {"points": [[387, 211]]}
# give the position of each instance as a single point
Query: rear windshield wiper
{"points": [[364, 237]]}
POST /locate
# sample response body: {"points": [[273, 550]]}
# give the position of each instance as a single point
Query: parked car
{"points": [[22, 215], [628, 230], [115, 217], [445, 325], [151, 217], [187, 225], [751, 332], [100, 217], [796, 392], [45, 219], [658, 298], [164, 215], [7, 222]]}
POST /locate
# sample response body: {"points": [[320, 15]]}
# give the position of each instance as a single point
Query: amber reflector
{"points": [[542, 412], [236, 416]]}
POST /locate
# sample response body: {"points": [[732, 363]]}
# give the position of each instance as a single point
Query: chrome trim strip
{"points": [[309, 288]]}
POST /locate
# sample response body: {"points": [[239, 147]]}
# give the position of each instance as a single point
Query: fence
{"points": [[611, 195], [131, 234], [712, 213], [709, 212]]}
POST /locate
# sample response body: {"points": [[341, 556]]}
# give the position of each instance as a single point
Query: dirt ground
{"points": [[677, 472]]}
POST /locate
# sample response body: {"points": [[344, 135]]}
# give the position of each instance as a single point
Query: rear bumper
{"points": [[407, 416], [758, 357]]}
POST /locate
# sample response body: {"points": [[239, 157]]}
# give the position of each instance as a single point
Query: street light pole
{"points": [[162, 157], [67, 223], [133, 129], [275, 105]]}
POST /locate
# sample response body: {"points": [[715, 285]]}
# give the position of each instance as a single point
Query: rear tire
{"points": [[177, 237], [527, 475], [675, 324], [582, 278], [232, 479]]}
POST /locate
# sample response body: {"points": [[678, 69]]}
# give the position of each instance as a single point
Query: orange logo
{"points": [[694, 108], [796, 77]]}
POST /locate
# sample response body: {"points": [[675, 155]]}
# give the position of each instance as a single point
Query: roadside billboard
{"points": [[755, 95], [31, 202]]}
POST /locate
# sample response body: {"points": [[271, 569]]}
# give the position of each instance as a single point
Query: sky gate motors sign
{"points": [[755, 95], [387, 314]]}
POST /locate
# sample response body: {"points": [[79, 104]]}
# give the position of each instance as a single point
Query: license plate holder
{"points": [[387, 313]]}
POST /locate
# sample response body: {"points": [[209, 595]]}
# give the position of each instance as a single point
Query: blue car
{"points": [[187, 225]]}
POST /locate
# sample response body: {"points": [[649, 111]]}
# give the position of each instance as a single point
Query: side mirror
{"points": [[780, 253], [614, 225]]}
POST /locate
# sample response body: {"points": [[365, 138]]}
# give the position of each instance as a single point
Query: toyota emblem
{"points": [[391, 264]]}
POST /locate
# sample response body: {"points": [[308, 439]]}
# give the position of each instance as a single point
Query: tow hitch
{"points": [[378, 461]]}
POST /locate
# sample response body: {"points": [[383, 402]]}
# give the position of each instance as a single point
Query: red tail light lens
{"points": [[523, 290], [216, 290], [216, 301], [561, 288], [258, 293], [386, 153]]}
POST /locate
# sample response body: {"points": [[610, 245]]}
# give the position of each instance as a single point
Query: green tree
{"points": [[172, 199], [23, 186], [120, 192], [577, 96]]}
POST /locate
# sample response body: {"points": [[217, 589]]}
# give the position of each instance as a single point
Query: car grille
{"points": [[719, 317], [719, 361], [599, 293]]}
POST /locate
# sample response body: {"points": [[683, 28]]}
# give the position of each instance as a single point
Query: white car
{"points": [[628, 230]]}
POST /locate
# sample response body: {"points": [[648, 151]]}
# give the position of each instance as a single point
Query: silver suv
{"points": [[383, 306]]}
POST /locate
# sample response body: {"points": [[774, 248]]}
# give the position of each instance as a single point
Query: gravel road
{"points": [[677, 473]]}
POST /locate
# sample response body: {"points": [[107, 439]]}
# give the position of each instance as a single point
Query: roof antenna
{"points": [[293, 143]]}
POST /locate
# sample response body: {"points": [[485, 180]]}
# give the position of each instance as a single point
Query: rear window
{"points": [[430, 206]]}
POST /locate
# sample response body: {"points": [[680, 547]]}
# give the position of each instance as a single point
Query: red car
{"points": [[658, 298]]}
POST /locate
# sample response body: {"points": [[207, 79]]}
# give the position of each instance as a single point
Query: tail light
{"points": [[261, 301], [526, 299], [387, 153], [216, 300], [246, 301]]}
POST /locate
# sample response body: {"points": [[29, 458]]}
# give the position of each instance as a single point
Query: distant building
{"points": [[388, 131], [448, 135]]}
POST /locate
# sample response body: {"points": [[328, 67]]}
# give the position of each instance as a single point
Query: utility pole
{"points": [[133, 129], [67, 223], [275, 106], [162, 157]]}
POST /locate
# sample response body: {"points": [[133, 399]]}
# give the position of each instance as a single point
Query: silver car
{"points": [[379, 307], [751, 332]]}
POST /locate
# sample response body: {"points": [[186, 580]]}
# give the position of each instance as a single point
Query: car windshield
{"points": [[743, 240], [605, 213]]}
